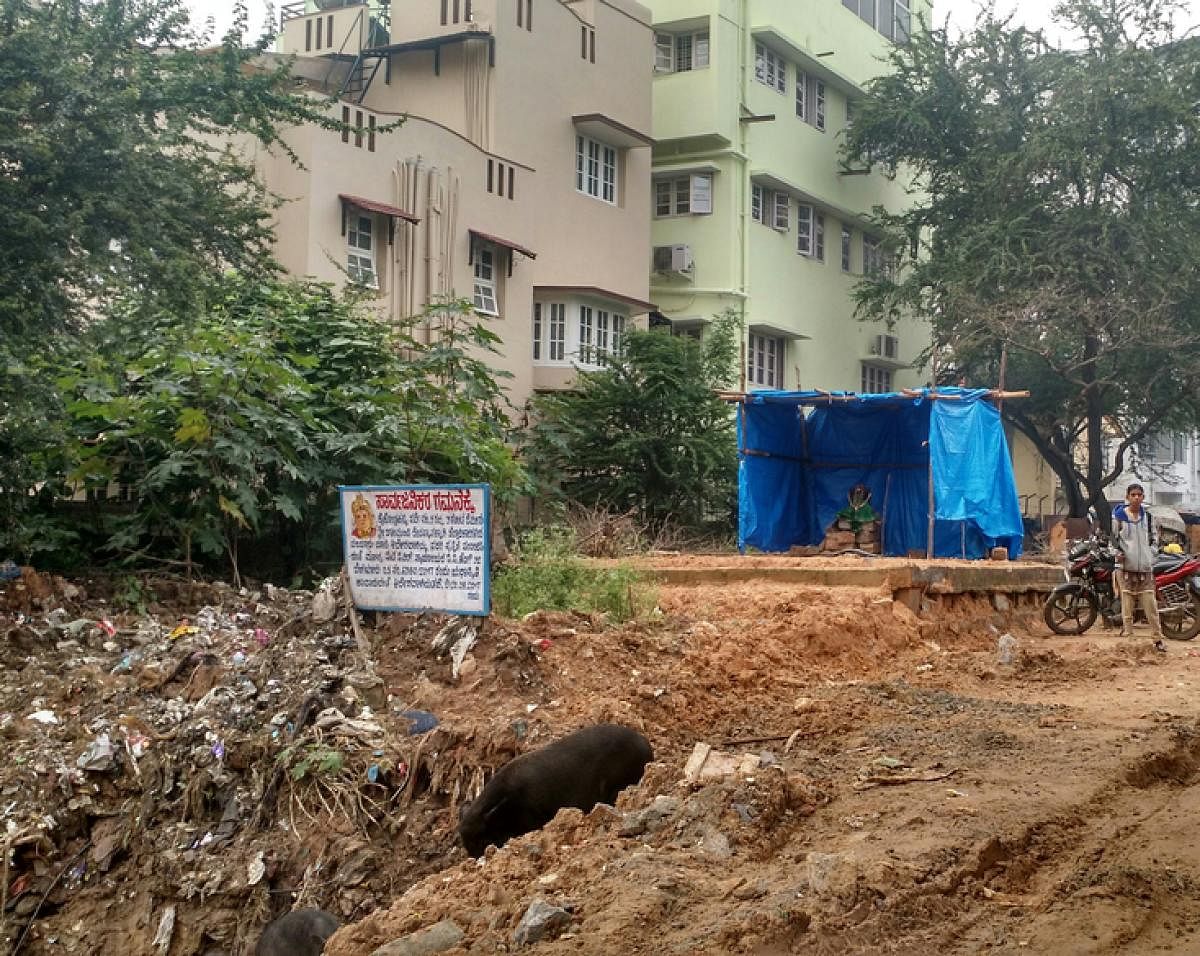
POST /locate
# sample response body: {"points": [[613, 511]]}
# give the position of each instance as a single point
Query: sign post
{"points": [[418, 547]]}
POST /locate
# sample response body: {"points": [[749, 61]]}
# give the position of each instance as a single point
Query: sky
{"points": [[1033, 13]]}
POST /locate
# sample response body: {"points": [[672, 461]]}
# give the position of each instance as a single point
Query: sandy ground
{"points": [[904, 792]]}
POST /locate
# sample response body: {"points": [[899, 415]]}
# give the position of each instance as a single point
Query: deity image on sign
{"points": [[364, 517]]}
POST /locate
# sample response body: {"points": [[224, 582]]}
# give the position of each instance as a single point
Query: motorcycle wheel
{"points": [[1184, 624], [1070, 612]]}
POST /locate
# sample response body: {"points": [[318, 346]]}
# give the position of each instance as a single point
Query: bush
{"points": [[547, 574], [230, 431], [647, 434]]}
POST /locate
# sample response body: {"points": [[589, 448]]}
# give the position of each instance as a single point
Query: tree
{"points": [[1055, 224], [646, 433], [116, 175], [115, 162], [235, 428]]}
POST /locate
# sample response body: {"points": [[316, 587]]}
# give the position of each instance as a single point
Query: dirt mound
{"points": [[188, 761]]}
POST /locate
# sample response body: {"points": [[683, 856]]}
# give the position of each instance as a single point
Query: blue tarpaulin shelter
{"points": [[800, 453]]}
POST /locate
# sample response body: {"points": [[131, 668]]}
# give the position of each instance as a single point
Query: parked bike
{"points": [[1089, 592]]}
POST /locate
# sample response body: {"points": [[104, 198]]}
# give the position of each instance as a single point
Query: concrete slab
{"points": [[903, 576]]}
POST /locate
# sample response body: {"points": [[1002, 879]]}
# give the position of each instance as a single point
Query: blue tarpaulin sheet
{"points": [[800, 453]]}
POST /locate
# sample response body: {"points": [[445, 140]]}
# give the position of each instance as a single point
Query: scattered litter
{"points": [[99, 755], [706, 764], [44, 717]]}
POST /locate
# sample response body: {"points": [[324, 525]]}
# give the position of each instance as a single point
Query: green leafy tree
{"points": [[648, 432], [116, 174], [234, 429], [1055, 229]]}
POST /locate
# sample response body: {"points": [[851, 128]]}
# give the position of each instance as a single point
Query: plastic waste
{"points": [[419, 721], [98, 756], [1006, 649]]}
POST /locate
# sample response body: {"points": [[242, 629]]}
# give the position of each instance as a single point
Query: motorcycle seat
{"points": [[1165, 563]]}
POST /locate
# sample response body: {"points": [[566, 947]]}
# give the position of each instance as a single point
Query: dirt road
{"points": [[900, 791]]}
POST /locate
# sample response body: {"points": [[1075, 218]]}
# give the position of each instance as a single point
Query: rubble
{"points": [[216, 757]]}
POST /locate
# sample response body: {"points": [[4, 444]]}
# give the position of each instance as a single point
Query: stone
{"points": [[540, 921], [425, 942], [650, 818]]}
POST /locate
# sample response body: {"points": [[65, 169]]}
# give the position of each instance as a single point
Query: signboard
{"points": [[418, 547]]}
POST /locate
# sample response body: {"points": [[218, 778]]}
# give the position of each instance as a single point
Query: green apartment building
{"points": [[753, 208]]}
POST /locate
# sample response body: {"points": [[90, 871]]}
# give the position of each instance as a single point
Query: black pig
{"points": [[298, 933], [582, 769]]}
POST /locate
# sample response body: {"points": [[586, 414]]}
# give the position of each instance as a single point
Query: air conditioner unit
{"points": [[673, 259], [886, 346]]}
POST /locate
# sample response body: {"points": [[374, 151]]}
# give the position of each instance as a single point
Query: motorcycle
{"points": [[1089, 591]]}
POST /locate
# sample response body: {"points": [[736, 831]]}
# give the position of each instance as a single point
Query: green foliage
{"points": [[547, 574], [311, 760], [1055, 221], [237, 426], [647, 433]]}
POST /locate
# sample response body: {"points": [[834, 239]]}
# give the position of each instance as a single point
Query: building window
{"points": [[680, 52], [804, 230], [550, 331], [892, 18], [810, 100], [360, 253], [902, 21], [596, 169], [819, 237], [683, 195], [764, 361], [872, 256], [587, 334], [485, 281], [876, 379], [770, 69], [782, 206], [758, 197], [845, 248]]}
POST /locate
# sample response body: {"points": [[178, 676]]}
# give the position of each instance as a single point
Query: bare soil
{"points": [[904, 792]]}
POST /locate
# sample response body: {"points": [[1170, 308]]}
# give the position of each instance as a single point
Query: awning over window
{"points": [[636, 306], [608, 130], [477, 236], [775, 331], [381, 208], [371, 205]]}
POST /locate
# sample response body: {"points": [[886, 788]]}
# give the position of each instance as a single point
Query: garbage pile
{"points": [[222, 753]]}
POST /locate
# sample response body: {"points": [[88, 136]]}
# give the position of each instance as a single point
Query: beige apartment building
{"points": [[520, 179]]}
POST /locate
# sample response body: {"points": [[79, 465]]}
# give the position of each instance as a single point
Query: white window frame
{"points": [[681, 52], [485, 298], [664, 53], [872, 250], [819, 105], [819, 236], [689, 195], [758, 203], [596, 169], [875, 379], [804, 229], [847, 245], [802, 95], [360, 250], [781, 206], [770, 69], [586, 333], [906, 6], [574, 333], [764, 360]]}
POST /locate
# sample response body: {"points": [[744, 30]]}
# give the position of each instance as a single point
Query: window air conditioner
{"points": [[676, 259], [886, 346]]}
